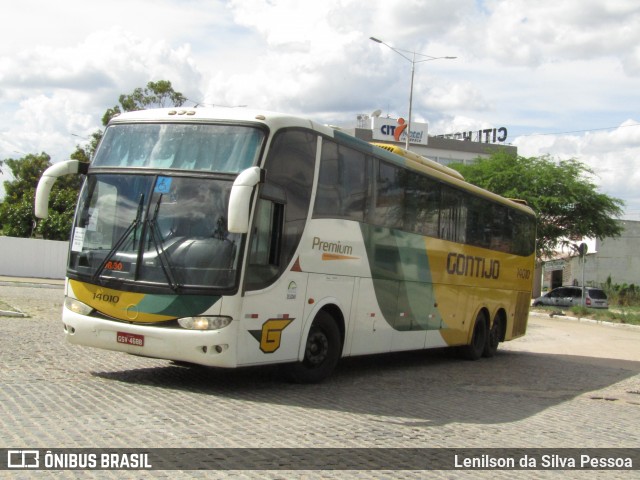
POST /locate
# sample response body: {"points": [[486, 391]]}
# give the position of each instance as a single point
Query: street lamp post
{"points": [[413, 61]]}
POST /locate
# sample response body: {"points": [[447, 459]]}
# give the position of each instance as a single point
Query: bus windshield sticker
{"points": [[78, 239], [163, 185]]}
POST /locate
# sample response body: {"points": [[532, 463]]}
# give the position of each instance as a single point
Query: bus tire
{"points": [[321, 354], [493, 338], [474, 350]]}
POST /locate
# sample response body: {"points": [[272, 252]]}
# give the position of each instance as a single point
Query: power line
{"points": [[578, 131]]}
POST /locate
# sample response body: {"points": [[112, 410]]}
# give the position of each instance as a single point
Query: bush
{"points": [[622, 295]]}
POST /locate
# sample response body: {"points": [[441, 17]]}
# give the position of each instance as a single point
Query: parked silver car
{"points": [[570, 296]]}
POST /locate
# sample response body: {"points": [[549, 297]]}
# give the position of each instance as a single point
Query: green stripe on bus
{"points": [[401, 278]]}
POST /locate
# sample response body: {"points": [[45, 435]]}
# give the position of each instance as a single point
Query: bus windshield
{"points": [[155, 229], [185, 146]]}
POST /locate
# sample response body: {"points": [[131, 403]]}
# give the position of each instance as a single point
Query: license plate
{"points": [[130, 339]]}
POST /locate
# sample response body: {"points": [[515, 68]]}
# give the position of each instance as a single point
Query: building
{"points": [[618, 258], [460, 147]]}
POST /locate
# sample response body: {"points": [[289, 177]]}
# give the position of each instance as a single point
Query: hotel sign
{"points": [[395, 130]]}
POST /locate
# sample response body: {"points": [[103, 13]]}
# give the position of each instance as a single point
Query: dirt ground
{"points": [[580, 338]]}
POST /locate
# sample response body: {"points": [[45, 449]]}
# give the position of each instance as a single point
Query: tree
{"points": [[16, 210], [155, 95], [84, 153], [561, 193]]}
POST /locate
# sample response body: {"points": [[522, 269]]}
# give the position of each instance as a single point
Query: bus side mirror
{"points": [[240, 199], [49, 177]]}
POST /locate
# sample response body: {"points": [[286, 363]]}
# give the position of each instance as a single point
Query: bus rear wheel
{"points": [[475, 349], [493, 338], [321, 354]]}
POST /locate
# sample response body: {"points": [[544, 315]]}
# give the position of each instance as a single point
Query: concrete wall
{"points": [[619, 257], [616, 257], [33, 258]]}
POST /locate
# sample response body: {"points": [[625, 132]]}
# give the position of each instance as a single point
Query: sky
{"points": [[562, 76]]}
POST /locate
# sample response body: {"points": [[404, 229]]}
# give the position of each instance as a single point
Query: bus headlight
{"points": [[204, 323], [77, 307]]}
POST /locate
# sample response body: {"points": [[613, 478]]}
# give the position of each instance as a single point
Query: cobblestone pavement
{"points": [[549, 389]]}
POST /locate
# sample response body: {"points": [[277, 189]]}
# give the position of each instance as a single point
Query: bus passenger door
{"points": [[274, 289], [271, 322], [272, 311]]}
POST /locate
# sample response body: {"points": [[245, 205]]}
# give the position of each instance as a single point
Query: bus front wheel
{"points": [[321, 354], [475, 349]]}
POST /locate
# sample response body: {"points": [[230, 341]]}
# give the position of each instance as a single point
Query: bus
{"points": [[231, 238]]}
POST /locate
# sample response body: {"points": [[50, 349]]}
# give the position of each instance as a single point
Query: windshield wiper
{"points": [[123, 238], [156, 237]]}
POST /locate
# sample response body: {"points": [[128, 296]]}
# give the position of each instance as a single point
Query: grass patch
{"points": [[624, 316], [628, 315]]}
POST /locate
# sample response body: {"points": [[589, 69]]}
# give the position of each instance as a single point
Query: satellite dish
{"points": [[376, 113]]}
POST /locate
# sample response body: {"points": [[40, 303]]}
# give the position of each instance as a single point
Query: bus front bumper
{"points": [[214, 348]]}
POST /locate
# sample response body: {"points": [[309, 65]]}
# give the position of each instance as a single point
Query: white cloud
{"points": [[612, 154], [55, 93], [533, 67]]}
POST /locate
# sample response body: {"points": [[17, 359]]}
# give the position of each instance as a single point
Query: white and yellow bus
{"points": [[229, 238]]}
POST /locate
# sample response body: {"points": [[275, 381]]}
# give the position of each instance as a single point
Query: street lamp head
{"points": [[375, 39]]}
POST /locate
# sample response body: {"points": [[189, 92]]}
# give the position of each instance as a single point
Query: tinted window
{"points": [[356, 187], [343, 183], [388, 210], [422, 205], [597, 294], [279, 222], [453, 215], [574, 292]]}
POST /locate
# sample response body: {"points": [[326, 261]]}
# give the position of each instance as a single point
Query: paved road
{"points": [[565, 384]]}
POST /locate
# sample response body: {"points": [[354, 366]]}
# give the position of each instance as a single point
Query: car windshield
{"points": [[162, 230]]}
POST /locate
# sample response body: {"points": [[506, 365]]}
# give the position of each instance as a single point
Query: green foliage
{"points": [[580, 311], [561, 193], [17, 217], [84, 153], [621, 295], [26, 172], [16, 211], [623, 316], [155, 95], [17, 208]]}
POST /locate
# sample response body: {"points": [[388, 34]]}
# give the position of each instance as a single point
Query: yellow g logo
{"points": [[271, 334]]}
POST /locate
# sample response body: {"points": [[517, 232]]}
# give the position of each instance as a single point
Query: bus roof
{"points": [[271, 119], [420, 159]]}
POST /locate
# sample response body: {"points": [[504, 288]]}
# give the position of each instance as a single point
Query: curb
{"points": [[30, 282], [10, 313]]}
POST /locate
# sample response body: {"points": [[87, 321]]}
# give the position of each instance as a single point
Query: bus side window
{"points": [[453, 216], [388, 210], [422, 205], [343, 183]]}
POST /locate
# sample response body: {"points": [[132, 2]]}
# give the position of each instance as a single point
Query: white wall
{"points": [[620, 257], [617, 257], [33, 258]]}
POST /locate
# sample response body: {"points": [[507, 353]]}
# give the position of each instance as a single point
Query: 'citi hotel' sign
{"points": [[395, 130]]}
